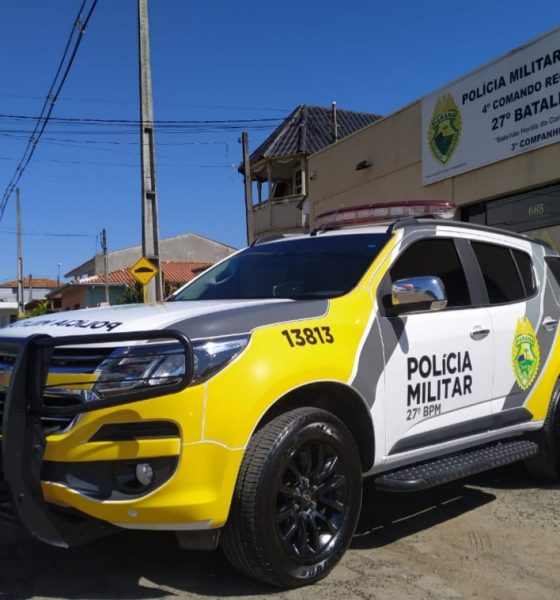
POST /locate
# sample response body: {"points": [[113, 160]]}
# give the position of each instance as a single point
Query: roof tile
{"points": [[173, 272], [36, 282], [308, 129]]}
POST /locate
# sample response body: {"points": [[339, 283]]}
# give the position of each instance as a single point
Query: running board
{"points": [[456, 466]]}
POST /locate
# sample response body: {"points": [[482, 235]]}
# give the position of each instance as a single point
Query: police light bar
{"points": [[384, 212]]}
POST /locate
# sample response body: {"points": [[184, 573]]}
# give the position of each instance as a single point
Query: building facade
{"points": [[188, 247], [34, 288], [277, 174], [488, 142], [92, 291]]}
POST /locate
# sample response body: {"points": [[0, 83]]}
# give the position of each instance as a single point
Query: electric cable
{"points": [[50, 101]]}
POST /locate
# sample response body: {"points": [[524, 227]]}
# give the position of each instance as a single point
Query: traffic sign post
{"points": [[144, 271]]}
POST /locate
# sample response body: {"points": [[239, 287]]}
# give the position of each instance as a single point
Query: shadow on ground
{"points": [[145, 565], [389, 517]]}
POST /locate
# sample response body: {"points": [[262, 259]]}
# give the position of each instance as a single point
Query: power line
{"points": [[62, 141], [11, 230], [136, 165], [183, 131], [50, 101], [156, 122]]}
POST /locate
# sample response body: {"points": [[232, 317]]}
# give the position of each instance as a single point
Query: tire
{"points": [[297, 499], [545, 466]]}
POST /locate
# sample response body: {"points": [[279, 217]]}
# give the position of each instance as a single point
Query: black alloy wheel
{"points": [[297, 499], [312, 500]]}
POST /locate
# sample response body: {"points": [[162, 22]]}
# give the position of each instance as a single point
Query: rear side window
{"points": [[525, 266], [435, 257], [500, 273]]}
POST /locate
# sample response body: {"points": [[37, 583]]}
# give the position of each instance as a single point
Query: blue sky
{"points": [[211, 60]]}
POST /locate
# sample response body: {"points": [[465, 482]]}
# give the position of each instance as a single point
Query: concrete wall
{"points": [[87, 297], [10, 294], [71, 297], [8, 313], [187, 247], [96, 295], [393, 146]]}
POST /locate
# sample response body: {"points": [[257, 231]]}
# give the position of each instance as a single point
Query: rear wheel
{"points": [[297, 499], [545, 466]]}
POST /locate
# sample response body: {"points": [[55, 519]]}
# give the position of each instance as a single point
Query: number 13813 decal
{"points": [[308, 335]]}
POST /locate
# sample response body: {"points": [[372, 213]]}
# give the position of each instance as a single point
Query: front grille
{"points": [[52, 423], [70, 361], [78, 360]]}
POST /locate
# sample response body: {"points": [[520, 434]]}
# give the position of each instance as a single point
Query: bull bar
{"points": [[23, 438]]}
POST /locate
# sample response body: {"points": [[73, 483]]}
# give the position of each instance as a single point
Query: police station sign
{"points": [[509, 107]]}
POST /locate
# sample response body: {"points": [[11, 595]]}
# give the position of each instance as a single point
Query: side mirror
{"points": [[418, 293]]}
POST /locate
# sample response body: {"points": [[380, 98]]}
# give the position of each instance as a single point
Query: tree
{"points": [[132, 294], [135, 294], [42, 308]]}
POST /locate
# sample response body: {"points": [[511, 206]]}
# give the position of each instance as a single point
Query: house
{"points": [[280, 163], [91, 291], [8, 312], [34, 288], [189, 247]]}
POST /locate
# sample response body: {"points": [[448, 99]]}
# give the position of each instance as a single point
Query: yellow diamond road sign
{"points": [[143, 271]]}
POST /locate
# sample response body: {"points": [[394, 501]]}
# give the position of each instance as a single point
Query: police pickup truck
{"points": [[245, 410]]}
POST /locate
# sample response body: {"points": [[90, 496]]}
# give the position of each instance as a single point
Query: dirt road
{"points": [[496, 536]]}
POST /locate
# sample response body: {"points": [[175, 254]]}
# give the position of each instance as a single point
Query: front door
{"points": [[438, 364]]}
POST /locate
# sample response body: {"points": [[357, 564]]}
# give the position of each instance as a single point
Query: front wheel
{"points": [[297, 499]]}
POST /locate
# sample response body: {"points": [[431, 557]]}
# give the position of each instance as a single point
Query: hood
{"points": [[196, 319]]}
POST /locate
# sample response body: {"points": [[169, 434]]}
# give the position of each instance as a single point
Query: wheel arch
{"points": [[338, 399]]}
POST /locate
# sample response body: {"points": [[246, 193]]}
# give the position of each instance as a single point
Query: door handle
{"points": [[478, 333], [549, 323]]}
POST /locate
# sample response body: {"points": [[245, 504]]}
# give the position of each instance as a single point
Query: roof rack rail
{"points": [[323, 228], [271, 237], [411, 221], [400, 223]]}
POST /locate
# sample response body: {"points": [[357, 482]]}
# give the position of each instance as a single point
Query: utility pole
{"points": [[105, 263], [20, 302], [248, 186], [150, 225]]}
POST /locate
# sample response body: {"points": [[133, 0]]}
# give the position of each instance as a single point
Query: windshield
{"points": [[301, 269]]}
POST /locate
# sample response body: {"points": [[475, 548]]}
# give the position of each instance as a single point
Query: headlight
{"points": [[136, 367], [212, 356]]}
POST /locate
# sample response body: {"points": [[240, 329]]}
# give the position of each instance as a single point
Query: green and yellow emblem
{"points": [[445, 129], [525, 354]]}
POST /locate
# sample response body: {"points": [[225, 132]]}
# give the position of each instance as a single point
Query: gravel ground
{"points": [[496, 536]]}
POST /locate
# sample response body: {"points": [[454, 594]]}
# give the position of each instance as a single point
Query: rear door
{"points": [[524, 317]]}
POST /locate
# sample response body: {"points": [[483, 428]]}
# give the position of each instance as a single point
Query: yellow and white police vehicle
{"points": [[245, 410]]}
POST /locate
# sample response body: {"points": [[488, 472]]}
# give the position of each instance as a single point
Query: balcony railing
{"points": [[280, 215]]}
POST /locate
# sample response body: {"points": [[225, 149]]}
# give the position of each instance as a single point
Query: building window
{"points": [[298, 182]]}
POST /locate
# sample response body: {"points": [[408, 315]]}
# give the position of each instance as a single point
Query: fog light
{"points": [[144, 473]]}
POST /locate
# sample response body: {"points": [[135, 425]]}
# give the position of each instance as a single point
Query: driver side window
{"points": [[435, 257]]}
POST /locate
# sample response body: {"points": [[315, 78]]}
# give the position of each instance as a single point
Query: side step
{"points": [[455, 466]]}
